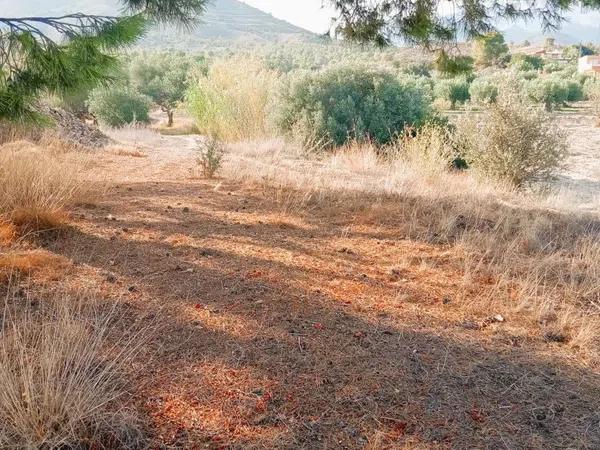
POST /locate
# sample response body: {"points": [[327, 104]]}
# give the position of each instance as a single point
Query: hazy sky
{"points": [[309, 14], [305, 13]]}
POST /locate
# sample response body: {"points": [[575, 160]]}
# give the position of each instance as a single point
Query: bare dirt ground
{"points": [[579, 184], [315, 329]]}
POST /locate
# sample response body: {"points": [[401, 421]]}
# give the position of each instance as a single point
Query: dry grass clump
{"points": [[60, 375], [37, 184], [431, 149]]}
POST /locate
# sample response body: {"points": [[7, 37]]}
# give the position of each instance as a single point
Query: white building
{"points": [[589, 65]]}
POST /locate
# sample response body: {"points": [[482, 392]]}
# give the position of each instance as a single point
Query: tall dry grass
{"points": [[541, 261], [61, 374], [38, 183], [231, 102]]}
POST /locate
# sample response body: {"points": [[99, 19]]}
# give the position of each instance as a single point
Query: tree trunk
{"points": [[170, 118]]}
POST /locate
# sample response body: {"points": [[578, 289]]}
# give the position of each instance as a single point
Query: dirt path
{"points": [[313, 330]]}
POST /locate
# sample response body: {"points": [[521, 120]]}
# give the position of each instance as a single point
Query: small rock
{"points": [[186, 209], [498, 318], [110, 217]]}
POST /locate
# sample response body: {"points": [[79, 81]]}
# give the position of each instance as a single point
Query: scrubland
{"points": [[296, 279]]}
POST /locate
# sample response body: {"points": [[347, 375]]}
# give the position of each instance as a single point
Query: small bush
{"points": [[452, 90], [119, 105], [574, 91], [591, 88], [419, 70], [554, 66], [526, 63], [550, 92], [343, 105], [483, 91], [512, 141], [210, 156]]}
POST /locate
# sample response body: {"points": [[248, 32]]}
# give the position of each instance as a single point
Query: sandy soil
{"points": [[317, 329], [579, 183]]}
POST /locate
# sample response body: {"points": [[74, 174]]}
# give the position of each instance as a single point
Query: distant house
{"points": [[589, 65]]}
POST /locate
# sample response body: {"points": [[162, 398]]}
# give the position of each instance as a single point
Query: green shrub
{"points": [[119, 105], [419, 70], [550, 92], [554, 66], [210, 156], [342, 105], [453, 65], [526, 63], [574, 91], [591, 88], [483, 91], [529, 75], [452, 90], [512, 141], [490, 50]]}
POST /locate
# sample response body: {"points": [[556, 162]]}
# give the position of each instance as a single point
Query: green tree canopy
{"points": [[59, 55], [490, 50], [163, 76]]}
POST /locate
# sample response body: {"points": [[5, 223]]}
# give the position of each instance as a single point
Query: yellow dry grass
{"points": [[538, 260], [60, 376], [38, 183]]}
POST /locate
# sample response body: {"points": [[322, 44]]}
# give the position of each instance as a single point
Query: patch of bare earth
{"points": [[579, 183], [319, 327]]}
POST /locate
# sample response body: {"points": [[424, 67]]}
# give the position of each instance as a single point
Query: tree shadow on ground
{"points": [[256, 350]]}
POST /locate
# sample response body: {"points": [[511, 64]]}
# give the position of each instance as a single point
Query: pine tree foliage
{"points": [[434, 23], [440, 24], [57, 55]]}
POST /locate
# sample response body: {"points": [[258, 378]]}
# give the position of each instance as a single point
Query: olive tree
{"points": [[163, 77]]}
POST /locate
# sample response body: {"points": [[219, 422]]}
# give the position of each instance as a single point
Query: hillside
{"points": [[225, 20], [579, 27]]}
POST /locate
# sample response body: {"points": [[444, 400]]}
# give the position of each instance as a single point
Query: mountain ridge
{"points": [[224, 20]]}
